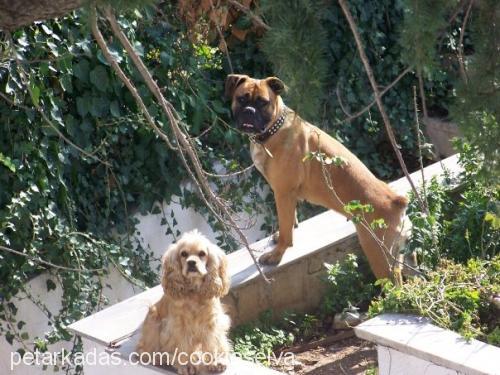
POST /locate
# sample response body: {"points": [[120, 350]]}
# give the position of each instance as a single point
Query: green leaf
{"points": [[99, 78], [50, 285], [35, 94], [493, 219], [114, 108], [7, 162], [81, 70]]}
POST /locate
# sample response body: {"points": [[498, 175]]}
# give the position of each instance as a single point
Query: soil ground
{"points": [[351, 356]]}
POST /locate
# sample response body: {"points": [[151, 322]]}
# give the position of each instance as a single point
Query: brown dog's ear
{"points": [[276, 85], [172, 280], [232, 82], [217, 281]]}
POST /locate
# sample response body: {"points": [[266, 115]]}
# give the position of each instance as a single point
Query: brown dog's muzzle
{"points": [[250, 120]]}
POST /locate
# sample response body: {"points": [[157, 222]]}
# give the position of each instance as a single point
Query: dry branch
{"points": [[186, 149], [378, 98]]}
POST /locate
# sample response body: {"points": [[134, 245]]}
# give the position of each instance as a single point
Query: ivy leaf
{"points": [[50, 285], [114, 108], [9, 337], [99, 78], [81, 70], [7, 162], [35, 94]]}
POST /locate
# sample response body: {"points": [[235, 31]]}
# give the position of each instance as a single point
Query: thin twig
{"points": [[258, 21], [378, 98], [185, 143], [419, 144], [463, 72], [382, 93], [223, 40], [123, 77], [37, 106], [229, 175], [44, 262], [422, 92]]}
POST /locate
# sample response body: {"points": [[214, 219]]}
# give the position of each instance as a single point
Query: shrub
{"points": [[260, 339], [454, 296], [463, 215], [350, 285]]}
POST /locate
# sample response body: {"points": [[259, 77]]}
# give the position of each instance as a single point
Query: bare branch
{"points": [[258, 21], [463, 72], [378, 98], [382, 93], [46, 263], [186, 148]]}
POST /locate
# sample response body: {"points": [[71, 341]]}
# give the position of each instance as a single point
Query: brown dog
{"points": [[280, 142]]}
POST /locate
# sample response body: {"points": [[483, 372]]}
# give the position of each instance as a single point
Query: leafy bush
{"points": [[350, 285], [454, 296], [260, 339], [463, 216]]}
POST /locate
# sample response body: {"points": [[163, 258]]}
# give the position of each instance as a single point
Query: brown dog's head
{"points": [[255, 102]]}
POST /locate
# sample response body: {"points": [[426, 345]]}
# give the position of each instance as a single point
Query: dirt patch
{"points": [[350, 356]]}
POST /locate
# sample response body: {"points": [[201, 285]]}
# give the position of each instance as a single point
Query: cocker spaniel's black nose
{"points": [[192, 266]]}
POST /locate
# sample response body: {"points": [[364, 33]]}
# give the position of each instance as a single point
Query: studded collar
{"points": [[265, 135]]}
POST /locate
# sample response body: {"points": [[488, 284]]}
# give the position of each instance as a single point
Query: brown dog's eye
{"points": [[242, 99], [201, 254], [184, 254], [261, 102]]}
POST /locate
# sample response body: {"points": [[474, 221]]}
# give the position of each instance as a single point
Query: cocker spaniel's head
{"points": [[194, 266]]}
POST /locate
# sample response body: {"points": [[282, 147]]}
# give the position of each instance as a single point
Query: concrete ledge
{"points": [[411, 345]]}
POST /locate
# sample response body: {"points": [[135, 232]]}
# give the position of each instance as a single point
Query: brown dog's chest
{"points": [[259, 157]]}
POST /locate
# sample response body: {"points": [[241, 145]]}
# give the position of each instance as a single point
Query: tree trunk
{"points": [[18, 13]]}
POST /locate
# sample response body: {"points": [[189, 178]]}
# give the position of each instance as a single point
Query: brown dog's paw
{"points": [[270, 258], [217, 367]]}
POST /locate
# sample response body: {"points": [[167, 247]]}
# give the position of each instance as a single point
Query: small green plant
{"points": [[259, 339], [302, 326], [454, 296], [350, 284], [462, 222]]}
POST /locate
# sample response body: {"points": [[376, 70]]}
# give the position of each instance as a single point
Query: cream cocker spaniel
{"points": [[189, 318]]}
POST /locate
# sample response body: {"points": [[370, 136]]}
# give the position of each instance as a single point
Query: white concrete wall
{"points": [[152, 236]]}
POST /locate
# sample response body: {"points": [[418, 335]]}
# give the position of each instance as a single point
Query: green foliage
{"points": [[424, 20], [454, 296], [350, 285], [296, 47], [74, 208], [431, 37], [461, 223], [260, 339]]}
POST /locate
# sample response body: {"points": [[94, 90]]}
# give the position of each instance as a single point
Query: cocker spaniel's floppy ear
{"points": [[172, 280], [217, 281]]}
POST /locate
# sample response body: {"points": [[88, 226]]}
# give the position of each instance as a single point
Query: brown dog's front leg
{"points": [[285, 205], [276, 234]]}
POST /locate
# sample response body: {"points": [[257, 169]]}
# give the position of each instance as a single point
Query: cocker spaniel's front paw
{"points": [[188, 369], [218, 366]]}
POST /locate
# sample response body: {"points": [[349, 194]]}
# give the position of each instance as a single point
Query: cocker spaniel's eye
{"points": [[184, 253], [202, 253]]}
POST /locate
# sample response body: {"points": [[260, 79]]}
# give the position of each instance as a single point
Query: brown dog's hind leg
{"points": [[285, 205], [383, 257]]}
